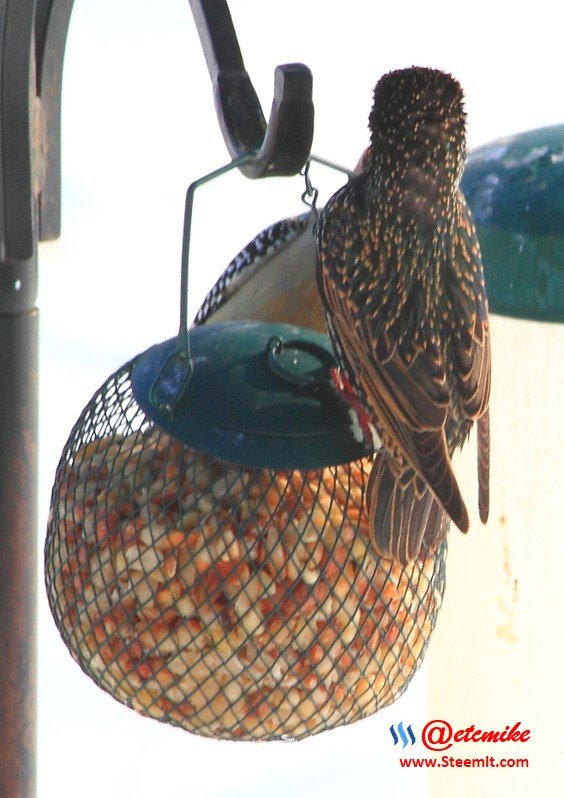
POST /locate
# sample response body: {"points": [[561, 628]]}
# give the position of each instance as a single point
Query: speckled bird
{"points": [[271, 279], [400, 275]]}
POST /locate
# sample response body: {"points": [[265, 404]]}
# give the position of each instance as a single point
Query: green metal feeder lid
{"points": [[515, 187], [258, 395]]}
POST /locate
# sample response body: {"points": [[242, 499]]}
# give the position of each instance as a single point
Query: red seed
{"points": [[107, 524], [170, 565]]}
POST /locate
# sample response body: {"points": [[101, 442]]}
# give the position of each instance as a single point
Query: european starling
{"points": [[400, 276]]}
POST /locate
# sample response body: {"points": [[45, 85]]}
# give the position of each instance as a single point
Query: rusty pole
{"points": [[32, 40], [18, 551]]}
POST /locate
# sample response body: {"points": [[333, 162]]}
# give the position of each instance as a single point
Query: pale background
{"points": [[138, 126]]}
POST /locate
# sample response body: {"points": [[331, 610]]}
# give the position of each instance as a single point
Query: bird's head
{"points": [[417, 127]]}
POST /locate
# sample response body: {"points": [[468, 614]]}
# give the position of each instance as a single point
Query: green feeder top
{"points": [[255, 394], [515, 187]]}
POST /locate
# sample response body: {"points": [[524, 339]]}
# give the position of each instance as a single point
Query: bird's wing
{"points": [[403, 515], [410, 400], [471, 349]]}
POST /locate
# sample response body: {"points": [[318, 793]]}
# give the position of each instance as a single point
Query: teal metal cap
{"points": [[255, 394], [515, 188]]}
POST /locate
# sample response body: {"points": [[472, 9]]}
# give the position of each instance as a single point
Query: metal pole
{"points": [[18, 411], [18, 551], [32, 39]]}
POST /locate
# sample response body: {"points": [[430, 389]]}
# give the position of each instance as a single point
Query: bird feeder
{"points": [[207, 557]]}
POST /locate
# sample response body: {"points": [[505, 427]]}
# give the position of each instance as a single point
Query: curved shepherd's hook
{"points": [[284, 144]]}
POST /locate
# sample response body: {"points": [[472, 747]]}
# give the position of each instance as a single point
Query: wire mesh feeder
{"points": [[235, 602]]}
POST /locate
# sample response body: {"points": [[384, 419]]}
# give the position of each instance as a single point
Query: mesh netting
{"points": [[237, 603]]}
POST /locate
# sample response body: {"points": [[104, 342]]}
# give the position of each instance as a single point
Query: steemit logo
{"points": [[401, 735]]}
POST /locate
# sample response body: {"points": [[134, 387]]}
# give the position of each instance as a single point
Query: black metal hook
{"points": [[284, 144]]}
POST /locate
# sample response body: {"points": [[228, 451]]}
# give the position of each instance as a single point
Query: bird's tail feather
{"points": [[437, 471], [484, 466], [402, 513]]}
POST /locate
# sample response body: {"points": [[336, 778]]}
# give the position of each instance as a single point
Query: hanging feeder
{"points": [[207, 554], [237, 601]]}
